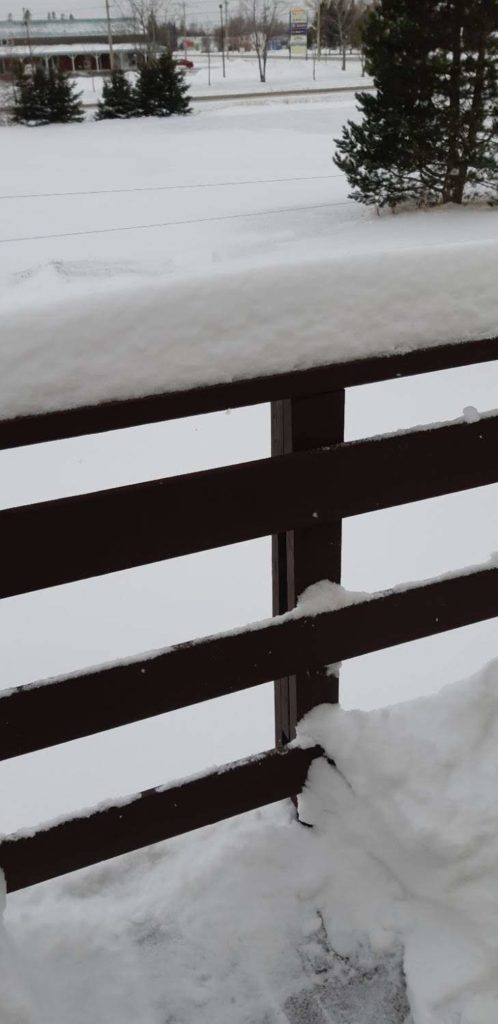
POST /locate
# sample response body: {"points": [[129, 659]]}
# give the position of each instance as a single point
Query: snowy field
{"points": [[206, 79], [242, 75], [93, 212]]}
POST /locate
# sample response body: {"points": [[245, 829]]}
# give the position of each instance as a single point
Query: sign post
{"points": [[298, 29]]}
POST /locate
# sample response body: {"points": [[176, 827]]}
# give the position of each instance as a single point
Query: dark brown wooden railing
{"points": [[300, 496]]}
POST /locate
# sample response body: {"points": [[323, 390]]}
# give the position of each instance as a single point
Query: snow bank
{"points": [[126, 340], [386, 911], [412, 820]]}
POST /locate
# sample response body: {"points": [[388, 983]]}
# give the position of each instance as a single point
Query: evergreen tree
{"points": [[63, 100], [430, 131], [118, 98], [161, 88], [31, 97]]}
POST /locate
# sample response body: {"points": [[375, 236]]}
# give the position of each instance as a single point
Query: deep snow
{"points": [[126, 613], [256, 921], [195, 281], [390, 899]]}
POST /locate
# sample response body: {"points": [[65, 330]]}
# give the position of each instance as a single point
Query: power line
{"points": [[166, 188], [173, 223]]}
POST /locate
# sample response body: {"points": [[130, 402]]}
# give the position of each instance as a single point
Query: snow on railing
{"points": [[311, 482]]}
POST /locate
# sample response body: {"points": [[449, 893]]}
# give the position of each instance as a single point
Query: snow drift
{"points": [[386, 911]]}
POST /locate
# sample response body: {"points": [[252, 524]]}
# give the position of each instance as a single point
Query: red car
{"points": [[184, 63]]}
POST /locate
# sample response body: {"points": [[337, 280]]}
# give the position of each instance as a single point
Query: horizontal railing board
{"points": [[75, 538], [90, 419], [38, 716], [153, 816]]}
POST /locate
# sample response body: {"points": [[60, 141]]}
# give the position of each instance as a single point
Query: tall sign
{"points": [[298, 30]]}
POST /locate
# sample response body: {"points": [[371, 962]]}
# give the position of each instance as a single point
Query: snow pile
{"points": [[127, 340], [385, 912], [413, 826]]}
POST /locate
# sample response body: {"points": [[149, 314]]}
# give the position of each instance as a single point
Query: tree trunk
{"points": [[453, 185], [265, 58], [476, 118], [261, 65]]}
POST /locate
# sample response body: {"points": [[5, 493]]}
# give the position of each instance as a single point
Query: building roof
{"points": [[84, 27], [60, 49]]}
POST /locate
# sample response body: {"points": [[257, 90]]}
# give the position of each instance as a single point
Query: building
{"points": [[75, 45]]}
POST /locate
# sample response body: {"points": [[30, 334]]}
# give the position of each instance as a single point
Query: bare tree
{"points": [[343, 14], [147, 15], [263, 18]]}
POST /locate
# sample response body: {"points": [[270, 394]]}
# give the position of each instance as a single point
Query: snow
{"points": [[282, 74], [471, 414], [54, 49], [216, 263], [125, 614], [11, 29], [387, 906], [57, 355], [242, 76], [417, 786], [236, 923]]}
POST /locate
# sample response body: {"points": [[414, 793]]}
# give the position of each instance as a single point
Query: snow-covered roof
{"points": [[45, 28], [56, 49]]}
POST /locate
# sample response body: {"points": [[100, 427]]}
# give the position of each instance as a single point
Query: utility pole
{"points": [[109, 35], [184, 8], [27, 19], [222, 40], [226, 28], [319, 31]]}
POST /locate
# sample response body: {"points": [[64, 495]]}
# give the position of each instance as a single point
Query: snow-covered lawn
{"points": [[236, 216], [282, 74], [242, 76]]}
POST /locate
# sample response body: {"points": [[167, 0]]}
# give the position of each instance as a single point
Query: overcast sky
{"points": [[196, 10]]}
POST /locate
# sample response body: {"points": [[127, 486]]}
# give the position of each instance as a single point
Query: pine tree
{"points": [[161, 88], [429, 132], [31, 97], [118, 98], [64, 101]]}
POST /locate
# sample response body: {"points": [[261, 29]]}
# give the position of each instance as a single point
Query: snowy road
{"points": [[225, 188]]}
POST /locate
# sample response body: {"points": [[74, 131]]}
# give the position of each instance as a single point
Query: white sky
{"points": [[196, 10]]}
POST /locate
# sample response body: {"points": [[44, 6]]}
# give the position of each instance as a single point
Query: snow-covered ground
{"points": [[242, 76], [232, 194], [206, 79], [388, 905], [234, 228]]}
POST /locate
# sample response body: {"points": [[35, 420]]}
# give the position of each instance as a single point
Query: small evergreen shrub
{"points": [[161, 89], [430, 130], [118, 98], [43, 97]]}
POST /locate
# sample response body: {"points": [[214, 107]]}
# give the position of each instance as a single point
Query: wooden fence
{"points": [[299, 496]]}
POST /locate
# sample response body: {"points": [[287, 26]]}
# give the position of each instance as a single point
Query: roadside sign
{"points": [[298, 30]]}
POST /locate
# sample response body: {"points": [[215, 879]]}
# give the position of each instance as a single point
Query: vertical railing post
{"points": [[304, 556]]}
